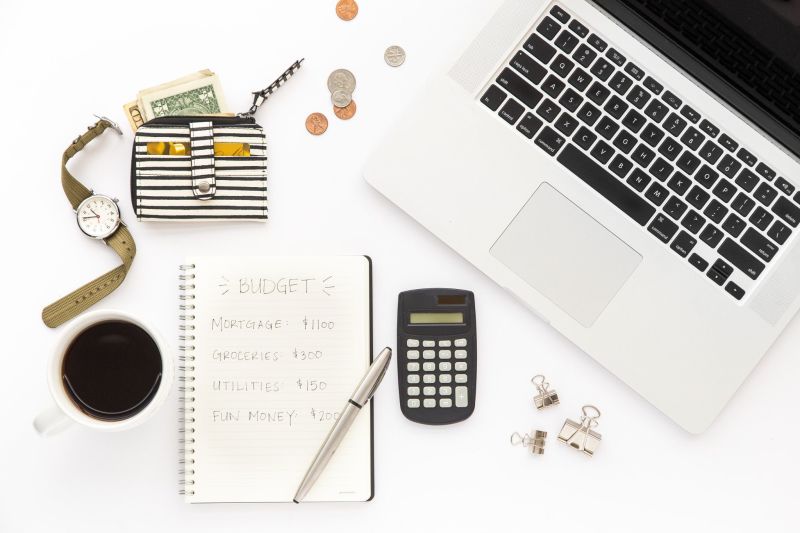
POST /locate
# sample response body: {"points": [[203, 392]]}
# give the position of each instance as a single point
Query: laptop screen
{"points": [[747, 51]]}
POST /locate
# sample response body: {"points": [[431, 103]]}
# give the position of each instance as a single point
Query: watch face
{"points": [[98, 216]]}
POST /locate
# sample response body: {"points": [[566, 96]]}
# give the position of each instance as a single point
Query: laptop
{"points": [[628, 169]]}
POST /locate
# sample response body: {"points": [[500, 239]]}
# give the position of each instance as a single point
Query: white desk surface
{"points": [[61, 63]]}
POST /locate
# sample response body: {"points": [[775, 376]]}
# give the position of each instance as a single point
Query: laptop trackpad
{"points": [[566, 255]]}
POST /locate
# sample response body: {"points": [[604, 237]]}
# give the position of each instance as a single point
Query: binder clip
{"points": [[535, 443], [546, 397], [580, 436]]}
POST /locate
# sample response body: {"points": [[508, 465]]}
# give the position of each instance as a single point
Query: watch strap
{"points": [[75, 190]]}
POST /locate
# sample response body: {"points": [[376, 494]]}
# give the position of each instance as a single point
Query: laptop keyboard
{"points": [[646, 150]]}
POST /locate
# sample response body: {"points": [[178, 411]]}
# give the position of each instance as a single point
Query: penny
{"points": [[341, 98], [347, 112], [394, 56], [346, 9], [316, 123], [342, 79]]}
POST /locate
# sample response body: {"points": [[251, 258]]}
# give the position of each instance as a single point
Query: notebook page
{"points": [[280, 345]]}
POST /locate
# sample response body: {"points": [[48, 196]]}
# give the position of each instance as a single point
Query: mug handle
{"points": [[51, 421]]}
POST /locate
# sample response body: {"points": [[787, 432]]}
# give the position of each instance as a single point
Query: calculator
{"points": [[437, 354]]}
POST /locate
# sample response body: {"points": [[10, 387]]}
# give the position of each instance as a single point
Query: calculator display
{"points": [[436, 318]]}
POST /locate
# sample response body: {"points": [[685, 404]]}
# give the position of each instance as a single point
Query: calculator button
{"points": [[429, 402], [429, 378], [461, 378], [445, 391], [429, 391], [462, 400], [412, 343], [413, 367], [413, 403], [413, 391], [445, 367], [428, 354], [445, 344], [413, 378], [461, 354], [445, 354], [412, 354], [428, 367], [461, 366], [445, 402], [445, 378], [460, 343], [428, 344]]}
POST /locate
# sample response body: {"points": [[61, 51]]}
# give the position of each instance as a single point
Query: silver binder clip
{"points": [[580, 436], [534, 443], [546, 397]]}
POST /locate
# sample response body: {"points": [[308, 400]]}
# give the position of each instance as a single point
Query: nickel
{"points": [[394, 56], [316, 123], [346, 9], [347, 112]]}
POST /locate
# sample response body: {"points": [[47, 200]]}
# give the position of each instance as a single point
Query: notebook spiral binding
{"points": [[186, 380]]}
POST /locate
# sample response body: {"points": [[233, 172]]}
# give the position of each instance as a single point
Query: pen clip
{"points": [[361, 395]]}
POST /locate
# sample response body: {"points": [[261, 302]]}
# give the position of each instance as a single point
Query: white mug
{"points": [[65, 413]]}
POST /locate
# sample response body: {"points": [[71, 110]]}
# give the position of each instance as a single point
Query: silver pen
{"points": [[363, 393]]}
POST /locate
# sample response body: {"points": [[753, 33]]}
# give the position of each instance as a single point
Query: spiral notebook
{"points": [[272, 348]]}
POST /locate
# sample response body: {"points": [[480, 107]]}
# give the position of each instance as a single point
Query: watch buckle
{"points": [[111, 124]]}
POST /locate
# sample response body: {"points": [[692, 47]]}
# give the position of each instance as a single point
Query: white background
{"points": [[61, 63]]}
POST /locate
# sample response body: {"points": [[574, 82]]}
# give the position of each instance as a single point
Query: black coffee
{"points": [[112, 370]]}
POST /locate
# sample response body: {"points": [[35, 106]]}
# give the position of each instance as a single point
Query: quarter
{"points": [[341, 80]]}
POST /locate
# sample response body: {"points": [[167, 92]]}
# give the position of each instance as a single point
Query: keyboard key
{"points": [[691, 114], [566, 41], [787, 210], [445, 378], [606, 185], [779, 232], [445, 403], [765, 172], [412, 343], [412, 378], [429, 391], [548, 110], [589, 114], [711, 235], [728, 143], [445, 366], [729, 166], [548, 27], [688, 162], [428, 344], [673, 101], [723, 268], [615, 57], [709, 129], [578, 28], [566, 124], [429, 402], [520, 88], [698, 262], [734, 225], [412, 367], [598, 93], [607, 128], [429, 378], [643, 155], [747, 180], [652, 135], [693, 221], [525, 65], [625, 141], [559, 14], [765, 194], [553, 86], [602, 69], [413, 403], [716, 276], [743, 204], [445, 354], [580, 79], [602, 152], [571, 100], [428, 354], [428, 367], [724, 190], [675, 125], [734, 290], [616, 107], [656, 111], [761, 218], [562, 66], [584, 55], [460, 343], [715, 211], [634, 71], [412, 354], [683, 244], [620, 166], [693, 138], [656, 194], [620, 83], [670, 148], [748, 158], [706, 176], [584, 138], [675, 207], [493, 97], [661, 169], [549, 141], [511, 111], [697, 197], [653, 85], [639, 180], [540, 49], [784, 186], [663, 228], [445, 390], [461, 366], [598, 43], [679, 183], [462, 398], [759, 245], [529, 125], [461, 378], [711, 152]]}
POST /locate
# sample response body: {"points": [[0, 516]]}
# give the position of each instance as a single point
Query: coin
{"points": [[347, 112], [316, 123], [341, 98], [342, 79], [346, 9], [394, 56]]}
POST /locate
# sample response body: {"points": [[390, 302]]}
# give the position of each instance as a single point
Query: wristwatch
{"points": [[98, 217]]}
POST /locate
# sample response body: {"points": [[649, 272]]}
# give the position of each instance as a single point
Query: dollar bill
{"points": [[133, 114]]}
